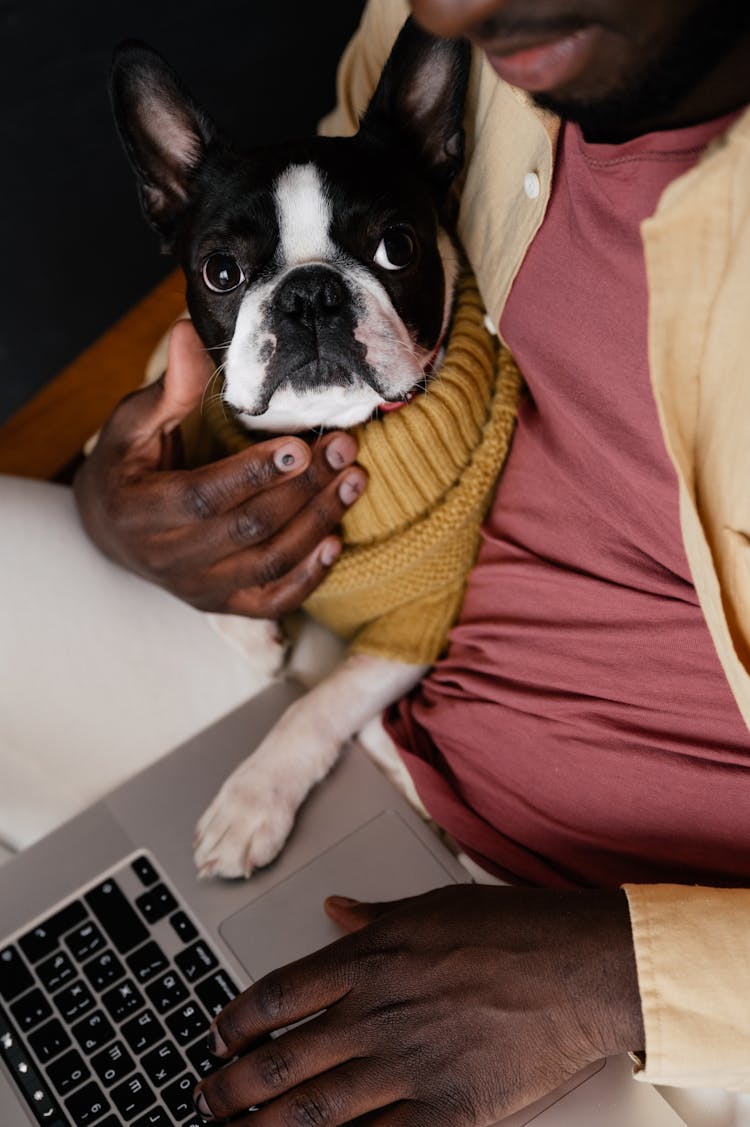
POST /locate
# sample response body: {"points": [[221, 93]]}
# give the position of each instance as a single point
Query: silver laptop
{"points": [[113, 957]]}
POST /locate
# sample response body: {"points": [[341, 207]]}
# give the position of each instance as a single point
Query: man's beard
{"points": [[706, 36]]}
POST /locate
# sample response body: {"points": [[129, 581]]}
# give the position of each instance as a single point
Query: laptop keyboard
{"points": [[105, 1006]]}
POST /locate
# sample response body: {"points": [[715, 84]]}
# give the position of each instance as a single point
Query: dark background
{"points": [[75, 251]]}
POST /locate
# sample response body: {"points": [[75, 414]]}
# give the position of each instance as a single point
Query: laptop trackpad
{"points": [[383, 860]]}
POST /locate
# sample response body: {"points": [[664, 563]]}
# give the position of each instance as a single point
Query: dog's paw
{"points": [[247, 823], [259, 640]]}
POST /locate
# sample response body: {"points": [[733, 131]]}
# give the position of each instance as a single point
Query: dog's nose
{"points": [[311, 293]]}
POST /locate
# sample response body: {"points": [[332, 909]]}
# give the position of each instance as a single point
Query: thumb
{"points": [[351, 915], [189, 369]]}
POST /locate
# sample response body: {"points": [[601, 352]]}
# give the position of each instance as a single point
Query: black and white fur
{"points": [[320, 275]]}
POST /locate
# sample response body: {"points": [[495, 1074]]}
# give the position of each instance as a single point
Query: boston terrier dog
{"points": [[321, 278]]}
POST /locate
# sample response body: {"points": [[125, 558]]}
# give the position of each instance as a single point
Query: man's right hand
{"points": [[253, 534]]}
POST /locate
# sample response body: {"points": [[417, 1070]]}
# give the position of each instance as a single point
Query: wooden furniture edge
{"points": [[47, 433]]}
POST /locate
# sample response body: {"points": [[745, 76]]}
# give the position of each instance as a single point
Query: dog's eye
{"points": [[221, 272], [395, 249]]}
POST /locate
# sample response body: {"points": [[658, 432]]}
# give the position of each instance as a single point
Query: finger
{"points": [[189, 370], [405, 1113], [277, 551], [353, 1089], [288, 593], [284, 521], [147, 415], [279, 1065], [228, 483], [352, 915], [285, 996]]}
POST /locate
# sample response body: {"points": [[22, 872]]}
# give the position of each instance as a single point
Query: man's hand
{"points": [[251, 535], [456, 1008]]}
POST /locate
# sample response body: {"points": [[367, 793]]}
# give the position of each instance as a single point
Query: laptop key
{"points": [[157, 903], [74, 1001], [49, 1041], [196, 961], [162, 1064], [143, 1031], [85, 941], [202, 1059], [43, 939], [30, 1010], [145, 871], [167, 992], [132, 1096], [15, 976], [187, 1023], [184, 927], [112, 1064], [123, 1000], [178, 1096], [216, 991], [93, 1032], [68, 1071], [156, 1117], [117, 916], [87, 1105], [56, 971], [103, 970], [147, 961]]}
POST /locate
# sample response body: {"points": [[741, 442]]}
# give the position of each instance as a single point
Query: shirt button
{"points": [[531, 185]]}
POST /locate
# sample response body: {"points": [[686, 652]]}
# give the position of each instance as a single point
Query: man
{"points": [[588, 727]]}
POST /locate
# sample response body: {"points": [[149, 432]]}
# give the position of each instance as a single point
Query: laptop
{"points": [[113, 957]]}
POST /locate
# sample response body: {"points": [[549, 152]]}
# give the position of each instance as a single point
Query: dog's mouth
{"points": [[430, 367], [338, 381], [336, 376], [386, 408]]}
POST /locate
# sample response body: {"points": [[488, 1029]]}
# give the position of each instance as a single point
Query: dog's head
{"points": [[319, 273]]}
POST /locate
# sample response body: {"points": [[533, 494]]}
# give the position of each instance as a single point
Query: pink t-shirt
{"points": [[580, 730]]}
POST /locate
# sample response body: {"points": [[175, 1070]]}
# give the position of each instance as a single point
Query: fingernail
{"points": [[286, 458], [201, 1106], [342, 902], [216, 1042], [330, 552], [341, 451], [351, 487]]}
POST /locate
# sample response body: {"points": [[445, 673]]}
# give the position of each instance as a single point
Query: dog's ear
{"points": [[165, 134], [419, 101]]}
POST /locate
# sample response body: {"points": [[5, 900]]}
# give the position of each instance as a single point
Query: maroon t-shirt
{"points": [[580, 730]]}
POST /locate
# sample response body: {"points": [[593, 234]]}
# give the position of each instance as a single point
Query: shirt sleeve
{"points": [[361, 64], [692, 947]]}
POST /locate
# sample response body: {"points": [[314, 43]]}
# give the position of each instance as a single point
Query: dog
{"points": [[322, 275]]}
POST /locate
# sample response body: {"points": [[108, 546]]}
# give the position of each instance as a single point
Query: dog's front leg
{"points": [[250, 818]]}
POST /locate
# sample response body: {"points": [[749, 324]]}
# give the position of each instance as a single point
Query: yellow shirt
{"points": [[692, 944]]}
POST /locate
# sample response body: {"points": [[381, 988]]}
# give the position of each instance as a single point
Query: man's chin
{"points": [[606, 120], [654, 95]]}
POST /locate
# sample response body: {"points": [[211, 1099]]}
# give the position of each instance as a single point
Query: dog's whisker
{"points": [[410, 349], [216, 347], [210, 395]]}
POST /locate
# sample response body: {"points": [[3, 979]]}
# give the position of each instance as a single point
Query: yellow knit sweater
{"points": [[411, 539]]}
